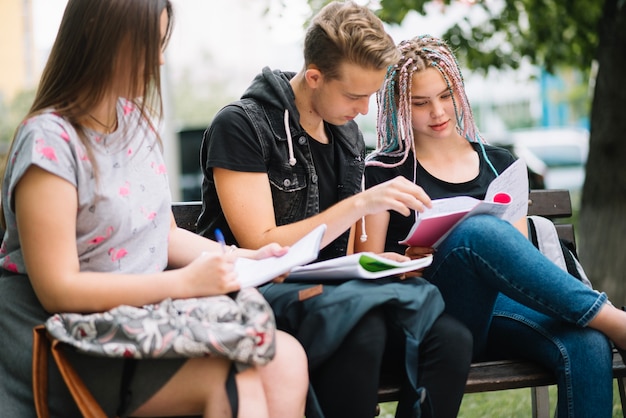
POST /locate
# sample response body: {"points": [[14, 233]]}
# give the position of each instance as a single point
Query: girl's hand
{"points": [[212, 274], [269, 250], [418, 252], [402, 258], [280, 278], [272, 250], [414, 253], [395, 256]]}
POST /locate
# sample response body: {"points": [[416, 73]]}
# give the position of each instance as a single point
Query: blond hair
{"points": [[347, 32]]}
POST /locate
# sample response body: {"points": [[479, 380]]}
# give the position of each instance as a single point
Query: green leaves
{"points": [[550, 33]]}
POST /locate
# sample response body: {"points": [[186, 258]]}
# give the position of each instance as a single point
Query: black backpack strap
{"points": [[532, 232], [231, 390], [570, 262], [128, 372]]}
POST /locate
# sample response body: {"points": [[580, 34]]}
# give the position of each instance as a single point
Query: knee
{"points": [[483, 233], [286, 378], [450, 340], [369, 335], [291, 359], [589, 344], [482, 225]]}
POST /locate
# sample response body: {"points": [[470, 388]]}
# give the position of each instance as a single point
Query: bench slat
{"points": [[186, 214], [550, 203], [492, 376]]}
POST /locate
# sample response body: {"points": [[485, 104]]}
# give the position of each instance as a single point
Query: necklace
{"points": [[107, 128]]}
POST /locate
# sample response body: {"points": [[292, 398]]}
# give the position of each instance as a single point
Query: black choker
{"points": [[108, 128]]}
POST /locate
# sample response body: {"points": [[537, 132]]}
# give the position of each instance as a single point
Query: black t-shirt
{"points": [[399, 225], [242, 152], [324, 162]]}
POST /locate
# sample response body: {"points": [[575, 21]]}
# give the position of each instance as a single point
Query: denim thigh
{"points": [[485, 256], [580, 358]]}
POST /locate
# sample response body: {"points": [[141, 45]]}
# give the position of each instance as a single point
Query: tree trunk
{"points": [[602, 225]]}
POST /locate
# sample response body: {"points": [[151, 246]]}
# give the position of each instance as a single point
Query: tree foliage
{"points": [[551, 33]]}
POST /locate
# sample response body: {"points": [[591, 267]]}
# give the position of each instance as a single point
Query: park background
{"points": [[218, 47]]}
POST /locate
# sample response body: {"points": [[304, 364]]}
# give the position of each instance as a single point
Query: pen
{"points": [[220, 238]]}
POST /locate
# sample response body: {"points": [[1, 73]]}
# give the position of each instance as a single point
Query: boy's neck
{"points": [[310, 120]]}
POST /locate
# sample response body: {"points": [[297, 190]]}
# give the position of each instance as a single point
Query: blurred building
{"points": [[18, 69]]}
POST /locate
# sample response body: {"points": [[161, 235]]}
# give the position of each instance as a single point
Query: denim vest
{"points": [[295, 189]]}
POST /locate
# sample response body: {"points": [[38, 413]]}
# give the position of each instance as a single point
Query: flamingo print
{"points": [[158, 168], [65, 136], [83, 155], [99, 238], [117, 254], [150, 215], [8, 265], [125, 189], [128, 107], [45, 150]]}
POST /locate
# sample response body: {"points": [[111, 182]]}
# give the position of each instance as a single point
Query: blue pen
{"points": [[220, 238]]}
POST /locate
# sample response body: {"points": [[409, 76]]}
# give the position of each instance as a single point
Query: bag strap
{"points": [[544, 236], [41, 346], [546, 239], [85, 401]]}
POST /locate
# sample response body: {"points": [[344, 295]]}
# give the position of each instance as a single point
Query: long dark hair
{"points": [[93, 37]]}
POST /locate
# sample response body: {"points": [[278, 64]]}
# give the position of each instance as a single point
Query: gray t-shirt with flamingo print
{"points": [[123, 216]]}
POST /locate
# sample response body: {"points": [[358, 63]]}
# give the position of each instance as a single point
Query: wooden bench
{"points": [[491, 375]]}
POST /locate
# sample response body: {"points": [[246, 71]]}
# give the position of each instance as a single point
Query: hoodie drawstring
{"points": [[363, 236], [292, 158]]}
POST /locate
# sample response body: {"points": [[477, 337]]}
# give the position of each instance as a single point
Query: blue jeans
{"points": [[580, 358], [542, 314]]}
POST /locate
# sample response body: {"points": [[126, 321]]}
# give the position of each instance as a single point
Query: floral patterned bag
{"points": [[241, 328]]}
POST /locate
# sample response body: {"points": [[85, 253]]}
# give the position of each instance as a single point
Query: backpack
{"points": [[543, 235]]}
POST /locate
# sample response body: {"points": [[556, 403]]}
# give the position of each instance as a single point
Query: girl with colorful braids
{"points": [[515, 301]]}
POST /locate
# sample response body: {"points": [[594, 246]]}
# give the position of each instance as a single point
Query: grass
{"points": [[502, 404]]}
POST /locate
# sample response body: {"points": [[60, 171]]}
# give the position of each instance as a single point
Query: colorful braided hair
{"points": [[394, 128], [395, 133]]}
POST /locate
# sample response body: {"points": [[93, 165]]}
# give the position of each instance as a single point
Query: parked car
{"points": [[558, 155]]}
